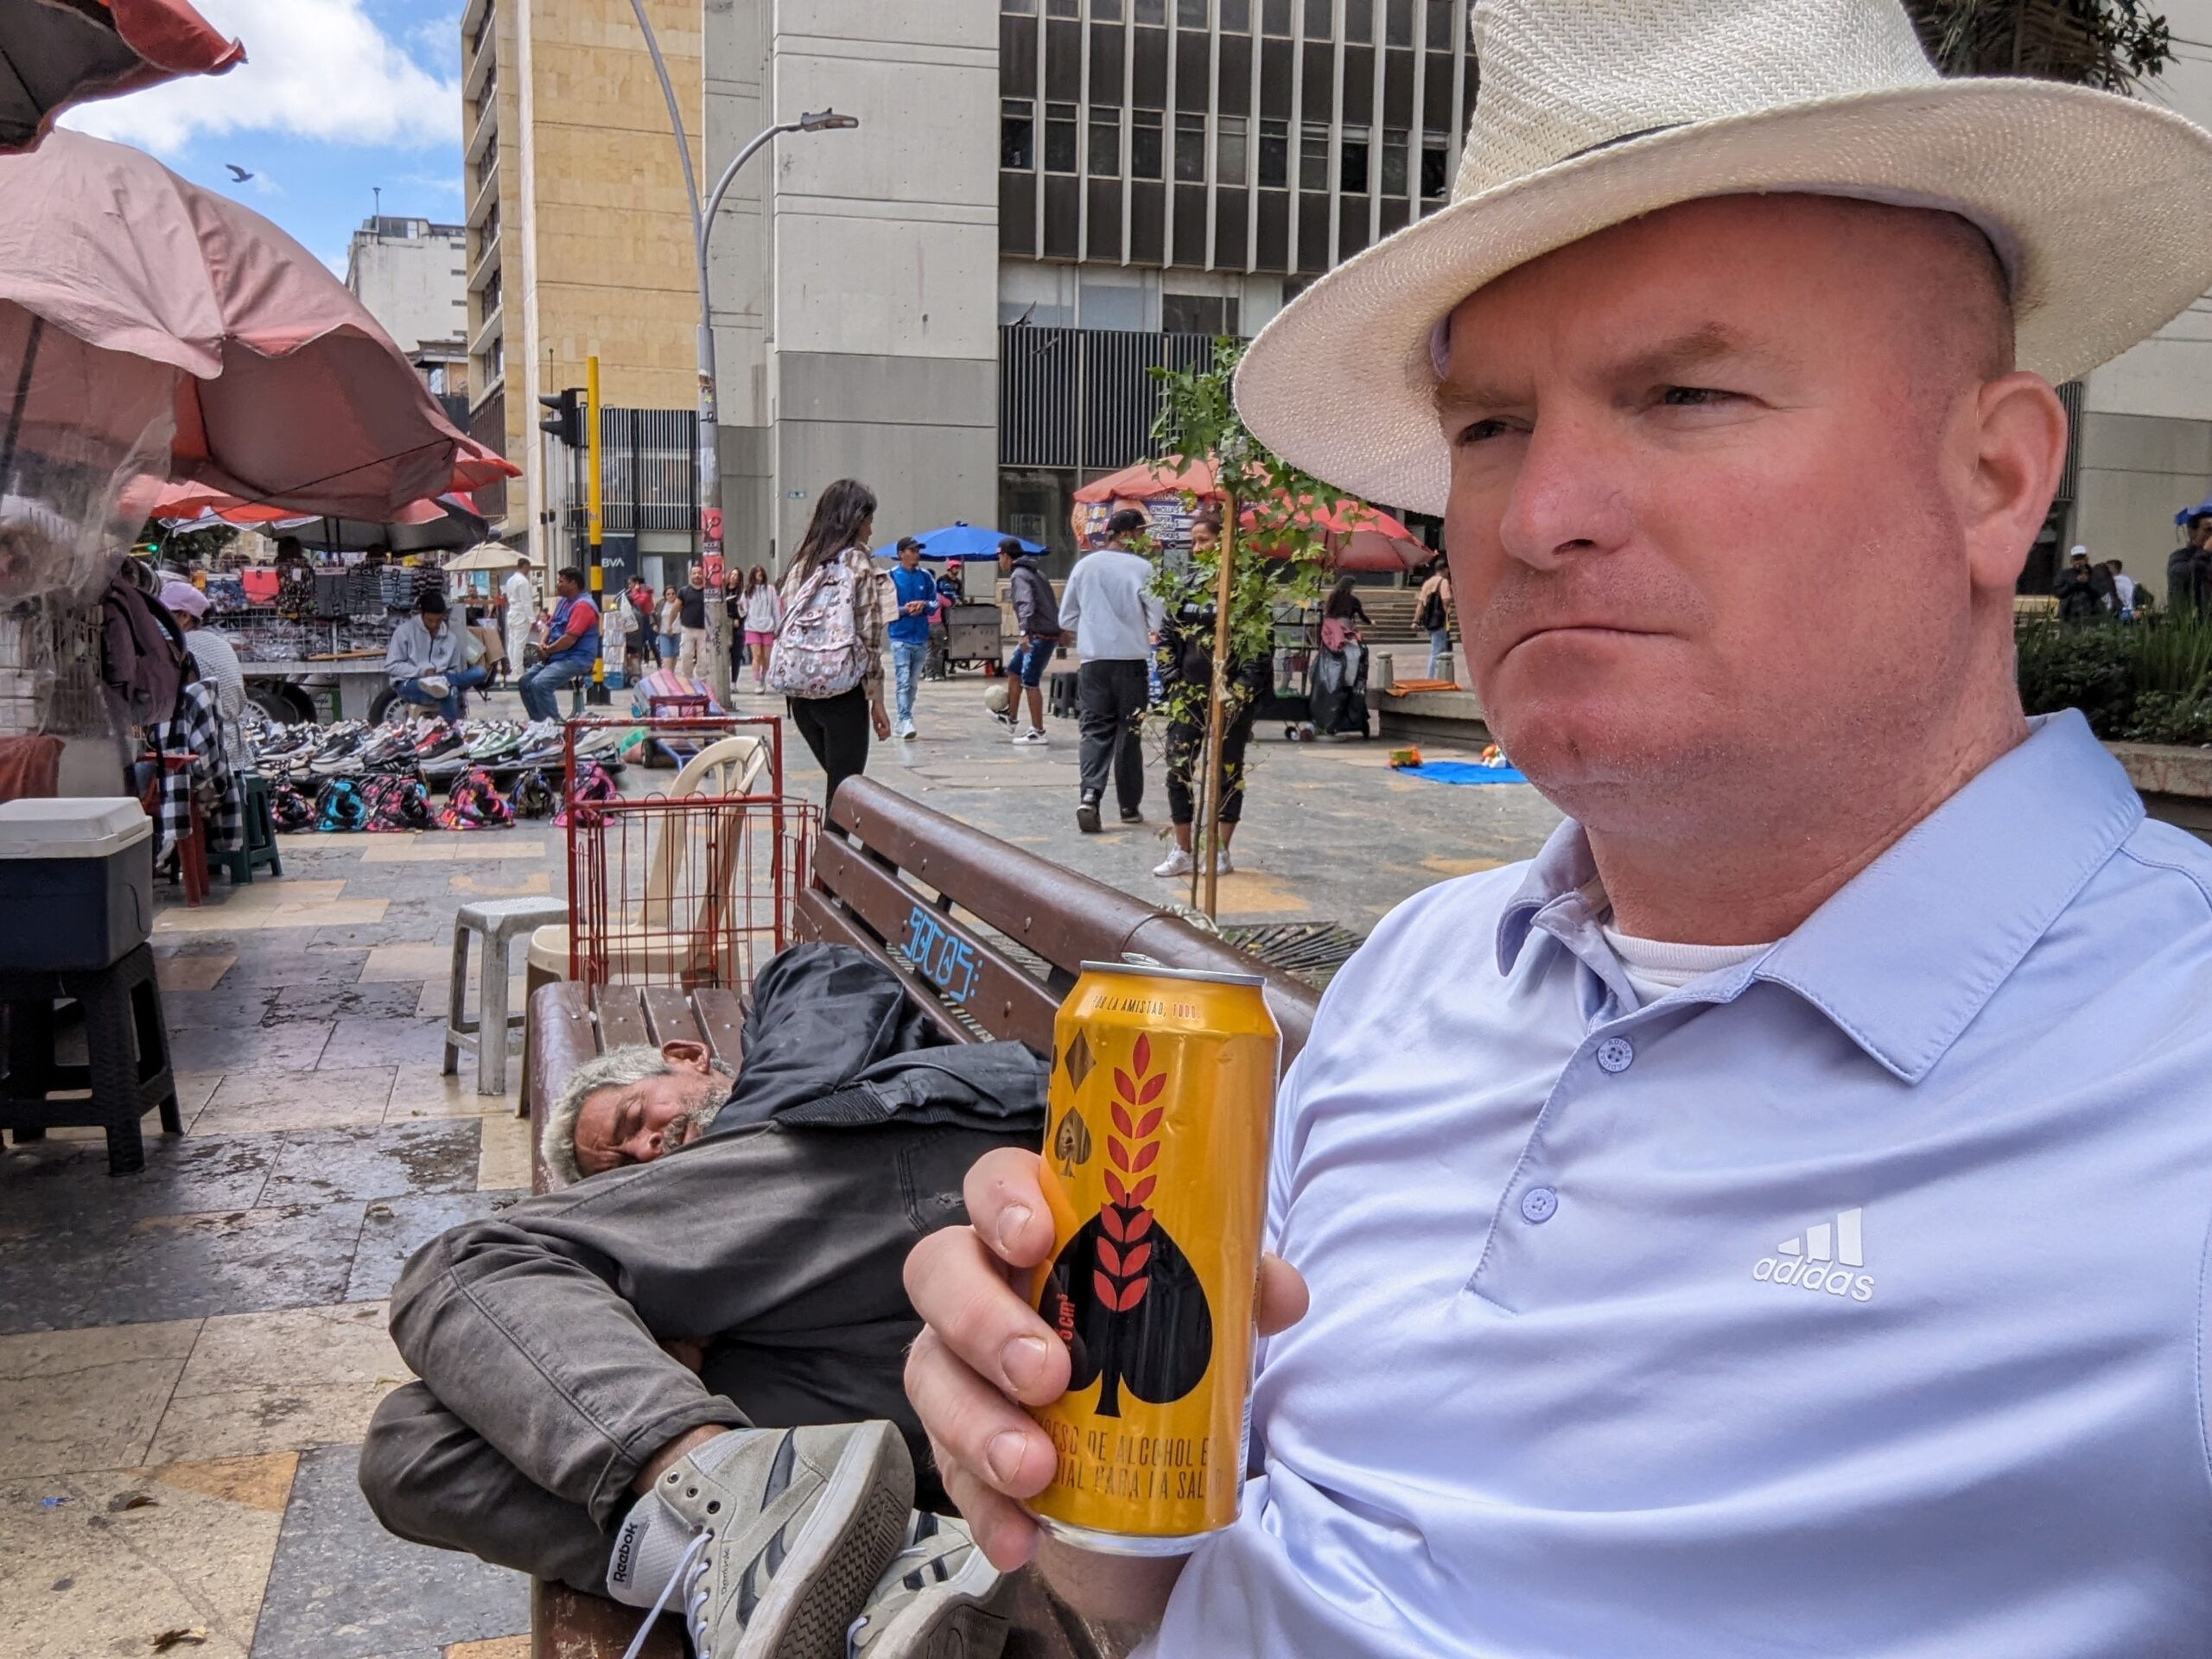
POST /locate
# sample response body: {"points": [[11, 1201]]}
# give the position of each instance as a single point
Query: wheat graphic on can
{"points": [[1161, 1104]]}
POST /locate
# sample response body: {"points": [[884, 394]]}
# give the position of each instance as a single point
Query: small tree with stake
{"points": [[1267, 504]]}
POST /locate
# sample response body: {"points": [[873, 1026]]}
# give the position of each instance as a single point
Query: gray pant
{"points": [[536, 1333], [1111, 697]]}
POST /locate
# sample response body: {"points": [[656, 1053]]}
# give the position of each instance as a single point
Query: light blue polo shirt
{"points": [[1849, 1301]]}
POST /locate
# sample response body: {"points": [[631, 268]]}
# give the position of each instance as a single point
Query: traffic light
{"points": [[566, 420]]}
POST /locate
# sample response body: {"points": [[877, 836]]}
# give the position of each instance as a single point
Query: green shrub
{"points": [[2130, 680]]}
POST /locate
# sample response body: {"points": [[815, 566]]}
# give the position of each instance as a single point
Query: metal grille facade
{"points": [[1226, 135], [1084, 398], [648, 465]]}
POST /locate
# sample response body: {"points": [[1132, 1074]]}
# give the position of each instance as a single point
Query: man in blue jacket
{"points": [[908, 631]]}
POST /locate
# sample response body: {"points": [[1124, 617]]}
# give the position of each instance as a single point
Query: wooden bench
{"points": [[986, 937]]}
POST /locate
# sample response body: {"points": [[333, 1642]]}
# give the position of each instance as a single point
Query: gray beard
{"points": [[714, 1094]]}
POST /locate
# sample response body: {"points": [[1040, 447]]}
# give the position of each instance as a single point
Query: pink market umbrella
{"points": [[286, 392], [57, 53]]}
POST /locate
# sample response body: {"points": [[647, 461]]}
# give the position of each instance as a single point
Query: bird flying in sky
{"points": [[238, 174]]}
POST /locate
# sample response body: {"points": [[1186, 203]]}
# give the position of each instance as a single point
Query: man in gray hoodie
{"points": [[1110, 606]]}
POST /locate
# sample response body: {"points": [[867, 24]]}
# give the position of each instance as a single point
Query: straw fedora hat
{"points": [[1593, 113]]}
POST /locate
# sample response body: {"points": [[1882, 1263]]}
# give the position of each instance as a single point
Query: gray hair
{"points": [[618, 1068]]}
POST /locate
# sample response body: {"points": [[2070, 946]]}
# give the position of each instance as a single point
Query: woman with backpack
{"points": [[1433, 611], [828, 659]]}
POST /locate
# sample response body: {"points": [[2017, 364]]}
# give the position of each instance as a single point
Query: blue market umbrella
{"points": [[958, 540]]}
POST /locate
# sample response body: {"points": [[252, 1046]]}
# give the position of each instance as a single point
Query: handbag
{"points": [[818, 651]]}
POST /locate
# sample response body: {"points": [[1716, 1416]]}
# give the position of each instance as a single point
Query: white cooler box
{"points": [[76, 882]]}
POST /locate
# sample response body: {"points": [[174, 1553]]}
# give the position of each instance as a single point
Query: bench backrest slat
{"points": [[955, 960], [621, 1011]]}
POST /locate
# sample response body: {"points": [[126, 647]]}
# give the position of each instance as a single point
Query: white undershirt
{"points": [[1654, 967]]}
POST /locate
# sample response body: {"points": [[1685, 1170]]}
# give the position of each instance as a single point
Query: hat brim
{"points": [[2101, 206]]}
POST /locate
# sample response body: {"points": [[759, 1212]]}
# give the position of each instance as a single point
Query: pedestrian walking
{"points": [[913, 603], [1110, 606], [2076, 590], [2123, 588], [571, 644], [764, 613], [518, 611], [668, 634], [1187, 641], [691, 626], [638, 626], [1037, 628], [828, 659], [1432, 612]]}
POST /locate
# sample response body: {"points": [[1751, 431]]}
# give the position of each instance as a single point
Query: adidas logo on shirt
{"points": [[1821, 1259]]}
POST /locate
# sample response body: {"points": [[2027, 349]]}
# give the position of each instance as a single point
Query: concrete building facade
{"points": [[412, 277], [2145, 442]]}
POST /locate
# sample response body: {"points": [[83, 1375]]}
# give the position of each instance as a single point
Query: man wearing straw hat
{"points": [[1735, 1231]]}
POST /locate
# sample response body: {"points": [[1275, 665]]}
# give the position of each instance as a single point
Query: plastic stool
{"points": [[1060, 696], [498, 921], [260, 840], [125, 1039]]}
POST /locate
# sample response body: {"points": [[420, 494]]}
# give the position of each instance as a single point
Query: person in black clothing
{"points": [[2185, 567], [2076, 592], [1186, 660], [1343, 604]]}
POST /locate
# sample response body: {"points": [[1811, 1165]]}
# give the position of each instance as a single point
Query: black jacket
{"points": [[1036, 611]]}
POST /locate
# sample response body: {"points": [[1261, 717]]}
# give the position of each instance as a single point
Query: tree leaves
{"points": [[2109, 44]]}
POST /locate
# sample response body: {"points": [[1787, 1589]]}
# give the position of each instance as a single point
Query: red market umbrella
{"points": [[1148, 481], [285, 390], [57, 53]]}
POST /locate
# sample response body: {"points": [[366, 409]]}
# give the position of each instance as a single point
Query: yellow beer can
{"points": [[1156, 1140]]}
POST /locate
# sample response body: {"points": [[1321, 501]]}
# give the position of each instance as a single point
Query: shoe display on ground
{"points": [[794, 1527], [1177, 862], [1032, 736], [1086, 817], [933, 1602]]}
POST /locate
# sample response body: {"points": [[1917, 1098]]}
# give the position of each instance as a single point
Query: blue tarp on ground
{"points": [[1462, 772]]}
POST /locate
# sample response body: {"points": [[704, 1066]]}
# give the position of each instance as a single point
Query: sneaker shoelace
{"points": [[692, 1573]]}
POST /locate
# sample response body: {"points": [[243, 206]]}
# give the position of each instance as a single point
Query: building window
{"points": [[1435, 168], [1196, 313], [1194, 14], [1063, 8], [1059, 137], [1190, 149], [1017, 134], [1359, 22], [1394, 162], [1275, 18], [1229, 149], [1237, 16], [1105, 12], [1351, 165], [1397, 22], [1442, 14], [1105, 143], [1313, 156], [1275, 155], [1152, 11], [1321, 19], [1144, 143], [1019, 8]]}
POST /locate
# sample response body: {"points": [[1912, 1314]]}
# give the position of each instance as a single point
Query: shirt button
{"points": [[1539, 1204], [1615, 1054]]}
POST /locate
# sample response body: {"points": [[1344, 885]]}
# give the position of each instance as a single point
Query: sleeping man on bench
{"points": [[679, 1375]]}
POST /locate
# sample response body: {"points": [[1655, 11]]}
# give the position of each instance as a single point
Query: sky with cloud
{"points": [[337, 97]]}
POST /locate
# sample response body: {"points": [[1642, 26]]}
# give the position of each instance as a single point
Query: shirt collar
{"points": [[1909, 952]]}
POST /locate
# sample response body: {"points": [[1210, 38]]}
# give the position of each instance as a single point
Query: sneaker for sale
{"points": [[1032, 736], [1086, 817], [1177, 862], [794, 1527], [933, 1601]]}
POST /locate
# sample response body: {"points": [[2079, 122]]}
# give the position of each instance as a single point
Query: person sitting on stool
{"points": [[427, 661]]}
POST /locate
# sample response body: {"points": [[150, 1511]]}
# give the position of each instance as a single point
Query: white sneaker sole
{"points": [[855, 1528]]}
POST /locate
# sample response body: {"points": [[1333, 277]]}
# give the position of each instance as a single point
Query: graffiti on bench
{"points": [[941, 957]]}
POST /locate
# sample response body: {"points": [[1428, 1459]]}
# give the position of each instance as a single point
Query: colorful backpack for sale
{"points": [[596, 784], [533, 795], [290, 810], [396, 804], [339, 807], [818, 651], [476, 804]]}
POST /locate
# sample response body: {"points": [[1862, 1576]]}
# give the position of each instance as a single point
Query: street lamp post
{"points": [[708, 471]]}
